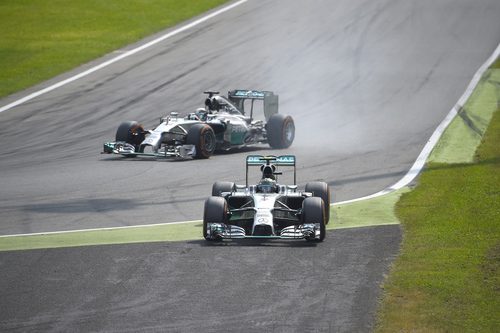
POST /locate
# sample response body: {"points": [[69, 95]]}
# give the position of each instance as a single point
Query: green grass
{"points": [[447, 277], [460, 140], [139, 234], [366, 213], [496, 64], [40, 39]]}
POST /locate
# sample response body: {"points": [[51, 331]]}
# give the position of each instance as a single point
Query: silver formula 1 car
{"points": [[223, 124], [268, 209]]}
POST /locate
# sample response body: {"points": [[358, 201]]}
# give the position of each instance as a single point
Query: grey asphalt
{"points": [[195, 286], [367, 82]]}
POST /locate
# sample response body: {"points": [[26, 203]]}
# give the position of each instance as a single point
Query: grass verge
{"points": [[40, 39], [366, 213], [139, 234], [447, 277]]}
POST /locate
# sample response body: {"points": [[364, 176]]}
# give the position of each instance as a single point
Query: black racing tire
{"points": [[202, 137], [313, 212], [130, 132], [219, 187], [280, 131], [322, 190], [215, 211]]}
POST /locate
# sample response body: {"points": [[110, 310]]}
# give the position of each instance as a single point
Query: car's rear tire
{"points": [[280, 131], [322, 190], [219, 187], [202, 137], [215, 211], [313, 212]]}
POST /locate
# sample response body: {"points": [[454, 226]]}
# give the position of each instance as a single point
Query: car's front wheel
{"points": [[313, 212], [215, 211], [219, 187], [130, 132], [321, 190]]}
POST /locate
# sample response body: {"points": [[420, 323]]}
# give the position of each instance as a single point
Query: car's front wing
{"points": [[125, 149], [219, 231]]}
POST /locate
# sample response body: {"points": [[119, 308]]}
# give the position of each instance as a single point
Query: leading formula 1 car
{"points": [[222, 124], [268, 209]]}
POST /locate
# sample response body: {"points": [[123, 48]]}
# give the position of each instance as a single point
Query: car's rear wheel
{"points": [[313, 212], [215, 211], [322, 190], [219, 187], [280, 131], [202, 137]]}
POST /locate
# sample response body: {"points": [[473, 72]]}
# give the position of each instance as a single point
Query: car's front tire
{"points": [[219, 187], [313, 212], [215, 211], [132, 133], [322, 190]]}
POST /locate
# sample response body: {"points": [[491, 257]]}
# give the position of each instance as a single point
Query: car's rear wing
{"points": [[238, 97], [283, 160], [271, 162]]}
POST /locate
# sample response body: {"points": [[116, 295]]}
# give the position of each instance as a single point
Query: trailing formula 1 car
{"points": [[268, 209], [222, 124]]}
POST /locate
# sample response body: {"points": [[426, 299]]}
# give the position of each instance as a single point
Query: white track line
{"points": [[120, 57], [99, 229], [424, 154]]}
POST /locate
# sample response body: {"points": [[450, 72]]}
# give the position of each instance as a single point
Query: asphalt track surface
{"points": [[367, 82], [192, 286]]}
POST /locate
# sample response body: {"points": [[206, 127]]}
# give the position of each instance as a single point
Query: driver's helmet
{"points": [[201, 113], [267, 185]]}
